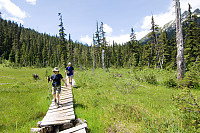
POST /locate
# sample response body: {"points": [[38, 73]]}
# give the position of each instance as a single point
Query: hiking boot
{"points": [[55, 101], [57, 104]]}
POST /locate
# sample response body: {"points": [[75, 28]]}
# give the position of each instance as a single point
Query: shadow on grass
{"points": [[76, 87], [78, 105]]}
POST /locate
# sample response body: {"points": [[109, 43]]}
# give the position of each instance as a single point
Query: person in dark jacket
{"points": [[56, 85], [70, 72]]}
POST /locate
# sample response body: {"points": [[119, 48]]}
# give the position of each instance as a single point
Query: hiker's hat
{"points": [[69, 63], [56, 69]]}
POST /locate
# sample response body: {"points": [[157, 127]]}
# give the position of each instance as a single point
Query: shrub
{"points": [[191, 80], [170, 83], [146, 76], [151, 79], [189, 106]]}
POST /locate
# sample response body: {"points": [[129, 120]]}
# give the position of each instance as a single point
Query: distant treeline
{"points": [[26, 47]]}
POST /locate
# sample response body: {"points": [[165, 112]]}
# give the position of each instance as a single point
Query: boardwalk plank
{"points": [[80, 131], [63, 113], [77, 129]]}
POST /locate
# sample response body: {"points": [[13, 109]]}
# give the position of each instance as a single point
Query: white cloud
{"points": [[165, 17], [86, 39], [118, 39], [15, 19], [109, 39], [141, 34], [194, 3], [123, 38], [12, 9], [107, 29], [32, 2], [146, 22], [160, 19], [122, 30]]}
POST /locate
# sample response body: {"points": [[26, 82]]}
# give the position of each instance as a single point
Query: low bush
{"points": [[189, 106], [146, 75], [191, 80], [151, 79], [170, 82]]}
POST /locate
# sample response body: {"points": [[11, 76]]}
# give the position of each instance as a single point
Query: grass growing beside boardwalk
{"points": [[23, 101], [124, 101]]}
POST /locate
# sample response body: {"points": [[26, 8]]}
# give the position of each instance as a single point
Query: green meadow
{"points": [[130, 100], [23, 100], [124, 100]]}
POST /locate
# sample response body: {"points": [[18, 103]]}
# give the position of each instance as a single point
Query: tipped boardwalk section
{"points": [[64, 113], [62, 117]]}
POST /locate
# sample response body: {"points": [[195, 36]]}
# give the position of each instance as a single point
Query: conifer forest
{"points": [[26, 47]]}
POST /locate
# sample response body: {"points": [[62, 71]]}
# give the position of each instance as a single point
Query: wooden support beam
{"points": [[76, 129]]}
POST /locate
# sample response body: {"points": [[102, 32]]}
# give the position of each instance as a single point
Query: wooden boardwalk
{"points": [[58, 116], [64, 113]]}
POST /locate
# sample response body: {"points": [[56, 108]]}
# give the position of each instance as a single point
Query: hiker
{"points": [[70, 72], [56, 85]]}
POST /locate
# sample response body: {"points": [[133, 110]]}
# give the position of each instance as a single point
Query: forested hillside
{"points": [[27, 47]]}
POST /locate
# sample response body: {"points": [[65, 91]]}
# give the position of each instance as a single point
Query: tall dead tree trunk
{"points": [[103, 57], [158, 54], [94, 54], [179, 39]]}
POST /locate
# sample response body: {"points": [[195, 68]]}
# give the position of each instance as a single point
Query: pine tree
{"points": [[1, 36], [191, 38], [154, 56], [63, 44]]}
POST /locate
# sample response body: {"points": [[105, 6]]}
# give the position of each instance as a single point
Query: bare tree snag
{"points": [[179, 40]]}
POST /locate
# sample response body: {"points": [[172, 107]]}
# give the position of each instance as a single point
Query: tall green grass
{"points": [[127, 100], [124, 100], [23, 100]]}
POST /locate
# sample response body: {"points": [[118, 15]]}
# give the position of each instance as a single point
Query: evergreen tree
{"points": [[154, 56], [191, 32], [63, 44]]}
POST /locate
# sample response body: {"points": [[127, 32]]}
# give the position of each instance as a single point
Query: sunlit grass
{"points": [[23, 100], [124, 101]]}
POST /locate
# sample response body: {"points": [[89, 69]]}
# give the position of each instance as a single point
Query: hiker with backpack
{"points": [[56, 85], [70, 72]]}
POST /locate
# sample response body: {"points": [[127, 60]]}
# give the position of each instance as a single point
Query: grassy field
{"points": [[124, 100], [23, 101], [128, 100]]}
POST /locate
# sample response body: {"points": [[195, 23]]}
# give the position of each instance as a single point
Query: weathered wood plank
{"points": [[81, 131], [66, 97], [57, 119], [76, 129], [62, 114], [61, 106], [36, 129], [61, 109], [55, 123], [58, 115]]}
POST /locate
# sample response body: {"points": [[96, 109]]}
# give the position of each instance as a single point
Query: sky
{"points": [[80, 16]]}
